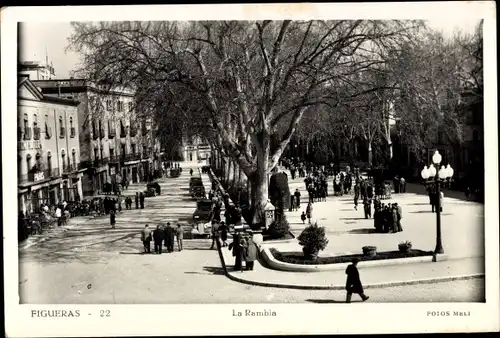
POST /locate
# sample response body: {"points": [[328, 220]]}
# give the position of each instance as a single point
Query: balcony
{"points": [[102, 134], [130, 157], [62, 132], [72, 132], [114, 158], [36, 134], [111, 133], [27, 134], [39, 176], [123, 132]]}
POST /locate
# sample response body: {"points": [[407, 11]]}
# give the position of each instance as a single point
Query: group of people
{"points": [[162, 235], [387, 217], [244, 249]]}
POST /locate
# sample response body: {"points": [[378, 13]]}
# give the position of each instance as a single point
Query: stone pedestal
{"points": [[440, 257]]}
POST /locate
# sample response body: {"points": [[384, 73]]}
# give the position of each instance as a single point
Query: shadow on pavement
{"points": [[421, 212], [418, 204], [326, 301], [363, 231], [132, 253], [214, 270], [353, 218]]}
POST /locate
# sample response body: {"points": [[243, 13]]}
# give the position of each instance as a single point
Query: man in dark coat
{"points": [[223, 230], [141, 200], [367, 204], [356, 195], [353, 283], [237, 249], [158, 239], [137, 200], [394, 218], [169, 237]]}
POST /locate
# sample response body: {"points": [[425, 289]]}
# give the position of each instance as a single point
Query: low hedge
{"points": [[298, 258]]}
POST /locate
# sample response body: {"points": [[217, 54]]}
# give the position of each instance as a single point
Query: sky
{"points": [[40, 39]]}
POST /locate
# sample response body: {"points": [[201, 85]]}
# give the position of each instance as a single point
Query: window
{"points": [[119, 106], [61, 127], [35, 121], [49, 161], [101, 153], [71, 122], [25, 121], [133, 148], [130, 106], [108, 104], [123, 149], [111, 152], [63, 159], [73, 156], [28, 162]]}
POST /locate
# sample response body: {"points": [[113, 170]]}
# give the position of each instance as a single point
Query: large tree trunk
{"points": [[258, 181]]}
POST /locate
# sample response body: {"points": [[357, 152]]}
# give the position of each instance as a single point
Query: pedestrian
{"points": [[141, 199], [223, 230], [353, 283], [467, 193], [119, 204], [303, 217], [215, 229], [251, 252], [169, 238], [441, 198], [146, 239], [367, 204], [236, 248], [309, 211], [112, 218], [394, 215], [179, 233], [191, 171], [158, 236], [356, 195], [402, 185], [399, 211], [137, 200], [58, 215]]}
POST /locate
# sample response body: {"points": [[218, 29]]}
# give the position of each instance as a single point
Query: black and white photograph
{"points": [[258, 161]]}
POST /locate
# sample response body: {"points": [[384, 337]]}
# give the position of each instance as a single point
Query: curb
{"points": [[366, 286], [232, 276], [283, 266]]}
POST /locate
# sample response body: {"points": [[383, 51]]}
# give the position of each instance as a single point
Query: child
{"points": [[112, 218], [303, 217]]}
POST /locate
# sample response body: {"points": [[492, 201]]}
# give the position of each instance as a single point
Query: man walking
{"points": [[179, 233], [146, 239], [137, 200], [112, 219], [353, 283], [215, 229], [158, 239], [309, 211]]}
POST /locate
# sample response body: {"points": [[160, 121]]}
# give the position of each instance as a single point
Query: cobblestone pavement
{"points": [[462, 223]]}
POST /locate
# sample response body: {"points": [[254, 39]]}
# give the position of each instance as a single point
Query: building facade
{"points": [[115, 144], [37, 70], [193, 149], [49, 169]]}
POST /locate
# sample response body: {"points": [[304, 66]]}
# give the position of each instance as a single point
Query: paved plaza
{"points": [[88, 262]]}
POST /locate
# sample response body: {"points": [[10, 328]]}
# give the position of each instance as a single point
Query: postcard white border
{"points": [[216, 319]]}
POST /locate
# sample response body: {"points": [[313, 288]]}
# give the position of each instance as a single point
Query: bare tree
{"points": [[255, 80]]}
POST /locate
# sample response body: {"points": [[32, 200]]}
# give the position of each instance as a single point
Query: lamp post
{"points": [[436, 177]]}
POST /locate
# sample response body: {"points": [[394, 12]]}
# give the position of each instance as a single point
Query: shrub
{"points": [[404, 246], [279, 191], [279, 228], [369, 250], [313, 239]]}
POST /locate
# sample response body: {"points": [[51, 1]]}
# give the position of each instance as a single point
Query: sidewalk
{"points": [[373, 277]]}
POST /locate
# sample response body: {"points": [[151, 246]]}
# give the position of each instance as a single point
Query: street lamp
{"points": [[436, 177]]}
